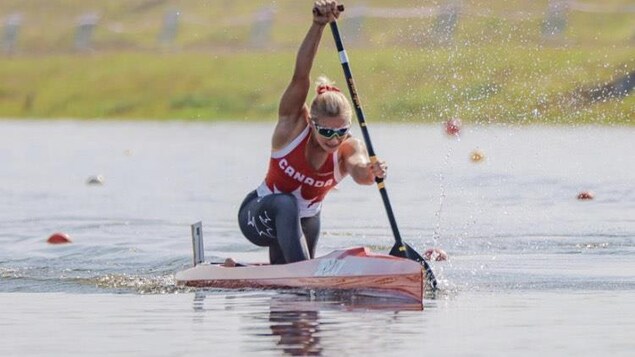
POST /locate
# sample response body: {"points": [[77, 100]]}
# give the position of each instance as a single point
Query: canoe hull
{"points": [[354, 269]]}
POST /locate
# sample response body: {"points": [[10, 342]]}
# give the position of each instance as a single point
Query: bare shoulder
{"points": [[352, 146], [352, 154]]}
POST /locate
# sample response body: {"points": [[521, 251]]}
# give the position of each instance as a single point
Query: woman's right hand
{"points": [[325, 11]]}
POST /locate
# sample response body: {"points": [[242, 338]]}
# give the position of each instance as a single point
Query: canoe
{"points": [[356, 270]]}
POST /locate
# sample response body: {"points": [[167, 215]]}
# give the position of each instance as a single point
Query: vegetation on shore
{"points": [[494, 71]]}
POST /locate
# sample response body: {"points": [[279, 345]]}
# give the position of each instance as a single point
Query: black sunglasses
{"points": [[329, 133]]}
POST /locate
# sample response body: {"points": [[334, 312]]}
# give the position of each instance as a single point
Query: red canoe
{"points": [[353, 269]]}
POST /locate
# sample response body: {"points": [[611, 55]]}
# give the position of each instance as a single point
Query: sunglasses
{"points": [[329, 133]]}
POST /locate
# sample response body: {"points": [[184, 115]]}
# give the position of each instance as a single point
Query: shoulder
{"points": [[352, 153], [352, 146]]}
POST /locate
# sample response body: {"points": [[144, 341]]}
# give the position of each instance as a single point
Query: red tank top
{"points": [[289, 172]]}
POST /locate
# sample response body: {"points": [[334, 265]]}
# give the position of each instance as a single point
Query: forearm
{"points": [[308, 50], [361, 168], [362, 174]]}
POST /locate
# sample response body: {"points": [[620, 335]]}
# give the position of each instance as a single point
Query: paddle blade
{"points": [[406, 251]]}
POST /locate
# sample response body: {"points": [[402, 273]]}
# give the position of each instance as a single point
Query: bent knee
{"points": [[285, 201]]}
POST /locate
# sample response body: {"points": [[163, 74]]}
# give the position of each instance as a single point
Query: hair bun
{"points": [[327, 88]]}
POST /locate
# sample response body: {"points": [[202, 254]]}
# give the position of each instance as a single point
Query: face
{"points": [[330, 132]]}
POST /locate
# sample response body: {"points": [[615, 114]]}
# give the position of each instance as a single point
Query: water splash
{"points": [[137, 284]]}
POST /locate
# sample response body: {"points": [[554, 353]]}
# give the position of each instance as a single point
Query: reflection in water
{"points": [[298, 331], [294, 320], [199, 301]]}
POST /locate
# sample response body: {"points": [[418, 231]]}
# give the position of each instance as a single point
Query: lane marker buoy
{"points": [[59, 238], [436, 254], [477, 155], [453, 127], [95, 180], [586, 195]]}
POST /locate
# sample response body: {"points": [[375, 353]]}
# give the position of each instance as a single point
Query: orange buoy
{"points": [[586, 195], [59, 238], [453, 127], [477, 155]]}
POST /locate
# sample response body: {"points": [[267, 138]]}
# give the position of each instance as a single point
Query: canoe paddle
{"points": [[400, 249]]}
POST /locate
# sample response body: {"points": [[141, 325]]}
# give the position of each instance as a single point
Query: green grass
{"points": [[498, 69]]}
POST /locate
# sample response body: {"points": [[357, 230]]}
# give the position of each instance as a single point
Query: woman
{"points": [[311, 151]]}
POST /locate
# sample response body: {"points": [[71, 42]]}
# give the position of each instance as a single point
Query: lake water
{"points": [[532, 270]]}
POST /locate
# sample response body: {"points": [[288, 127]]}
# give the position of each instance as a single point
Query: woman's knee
{"points": [[285, 202]]}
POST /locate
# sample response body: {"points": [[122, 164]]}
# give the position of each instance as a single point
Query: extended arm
{"points": [[293, 110], [294, 97]]}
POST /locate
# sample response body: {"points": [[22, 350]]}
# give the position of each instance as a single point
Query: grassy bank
{"points": [[498, 67], [476, 84]]}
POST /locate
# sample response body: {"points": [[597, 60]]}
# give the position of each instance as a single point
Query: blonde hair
{"points": [[329, 101]]}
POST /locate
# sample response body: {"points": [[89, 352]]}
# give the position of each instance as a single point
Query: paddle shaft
{"points": [[403, 249], [362, 123]]}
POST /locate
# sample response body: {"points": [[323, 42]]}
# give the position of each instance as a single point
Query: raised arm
{"points": [[293, 110], [294, 96]]}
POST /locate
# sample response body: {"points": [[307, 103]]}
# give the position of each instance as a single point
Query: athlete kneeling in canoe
{"points": [[311, 151]]}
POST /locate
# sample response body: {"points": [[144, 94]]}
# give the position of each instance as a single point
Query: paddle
{"points": [[400, 249]]}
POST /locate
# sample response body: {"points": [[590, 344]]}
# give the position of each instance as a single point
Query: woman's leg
{"points": [[275, 254], [311, 230], [273, 221]]}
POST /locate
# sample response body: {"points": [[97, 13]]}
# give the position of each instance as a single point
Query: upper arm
{"points": [[355, 161], [292, 112], [294, 97]]}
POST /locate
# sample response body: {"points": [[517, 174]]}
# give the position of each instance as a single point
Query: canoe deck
{"points": [[354, 269]]}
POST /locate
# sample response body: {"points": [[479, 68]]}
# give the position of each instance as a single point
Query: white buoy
{"points": [[95, 180]]}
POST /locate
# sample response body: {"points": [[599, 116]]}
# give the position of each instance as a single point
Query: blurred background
{"points": [[497, 61]]}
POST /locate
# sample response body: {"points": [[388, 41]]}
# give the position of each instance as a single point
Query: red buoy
{"points": [[436, 254], [453, 127], [59, 238], [586, 195]]}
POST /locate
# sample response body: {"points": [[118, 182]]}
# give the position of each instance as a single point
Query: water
{"points": [[531, 270]]}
